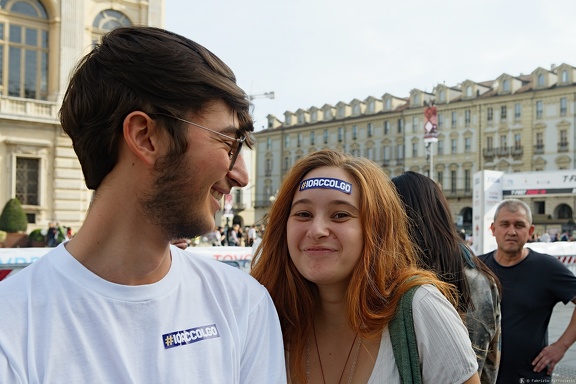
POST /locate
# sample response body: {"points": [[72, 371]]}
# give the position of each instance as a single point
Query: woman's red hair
{"points": [[385, 270]]}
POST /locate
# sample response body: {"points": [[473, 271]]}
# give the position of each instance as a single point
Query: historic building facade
{"points": [[40, 42], [512, 124]]}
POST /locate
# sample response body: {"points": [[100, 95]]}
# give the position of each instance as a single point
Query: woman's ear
{"points": [[143, 137]]}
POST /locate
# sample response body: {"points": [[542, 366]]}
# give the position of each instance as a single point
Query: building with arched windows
{"points": [[40, 43], [514, 123]]}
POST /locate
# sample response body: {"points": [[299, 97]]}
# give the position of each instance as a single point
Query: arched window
{"points": [[24, 49], [31, 8], [540, 80], [106, 21], [563, 211]]}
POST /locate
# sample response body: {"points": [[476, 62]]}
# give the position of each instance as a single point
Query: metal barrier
{"points": [[565, 251], [13, 260]]}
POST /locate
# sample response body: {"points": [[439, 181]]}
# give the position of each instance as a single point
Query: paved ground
{"points": [[565, 372]]}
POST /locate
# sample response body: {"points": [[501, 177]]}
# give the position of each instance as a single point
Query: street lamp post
{"points": [[265, 95]]}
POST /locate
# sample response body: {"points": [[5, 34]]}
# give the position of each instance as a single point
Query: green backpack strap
{"points": [[403, 338]]}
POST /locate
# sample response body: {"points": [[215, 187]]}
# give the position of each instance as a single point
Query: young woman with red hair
{"points": [[336, 258]]}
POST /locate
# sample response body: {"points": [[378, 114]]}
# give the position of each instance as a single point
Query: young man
{"points": [[157, 122], [533, 283]]}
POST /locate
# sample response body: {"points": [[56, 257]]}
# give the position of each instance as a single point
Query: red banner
{"points": [[430, 125]]}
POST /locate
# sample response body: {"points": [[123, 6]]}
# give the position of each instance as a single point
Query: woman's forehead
{"points": [[329, 179], [329, 172]]}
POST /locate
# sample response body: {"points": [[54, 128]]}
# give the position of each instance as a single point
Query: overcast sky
{"points": [[316, 52]]}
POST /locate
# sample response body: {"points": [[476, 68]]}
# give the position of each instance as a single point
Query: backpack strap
{"points": [[403, 338]]}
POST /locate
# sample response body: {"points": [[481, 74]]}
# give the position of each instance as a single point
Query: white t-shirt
{"points": [[444, 347], [204, 322]]}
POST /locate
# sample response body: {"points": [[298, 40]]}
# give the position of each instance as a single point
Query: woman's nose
{"points": [[318, 229]]}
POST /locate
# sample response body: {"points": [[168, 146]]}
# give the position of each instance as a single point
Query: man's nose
{"points": [[239, 173]]}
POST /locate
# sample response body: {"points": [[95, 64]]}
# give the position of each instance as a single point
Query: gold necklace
{"points": [[320, 360]]}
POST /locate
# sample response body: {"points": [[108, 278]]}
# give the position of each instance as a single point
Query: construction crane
{"points": [[266, 95]]}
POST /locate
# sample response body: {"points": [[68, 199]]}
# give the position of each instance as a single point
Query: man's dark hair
{"points": [[142, 69]]}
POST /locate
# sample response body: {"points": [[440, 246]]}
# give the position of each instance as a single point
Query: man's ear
{"points": [[142, 136], [492, 228]]}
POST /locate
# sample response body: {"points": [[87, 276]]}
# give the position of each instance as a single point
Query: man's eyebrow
{"points": [[512, 221], [230, 130]]}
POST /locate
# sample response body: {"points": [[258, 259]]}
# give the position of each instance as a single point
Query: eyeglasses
{"points": [[235, 146]]}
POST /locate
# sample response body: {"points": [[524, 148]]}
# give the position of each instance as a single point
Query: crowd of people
{"points": [[235, 236], [56, 234], [357, 278], [232, 236], [548, 237]]}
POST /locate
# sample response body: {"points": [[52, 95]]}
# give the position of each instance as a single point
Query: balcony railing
{"points": [[539, 149], [29, 109], [489, 153], [517, 151], [562, 146], [503, 151], [458, 192], [237, 207]]}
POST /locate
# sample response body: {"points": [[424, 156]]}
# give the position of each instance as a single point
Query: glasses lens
{"points": [[234, 153]]}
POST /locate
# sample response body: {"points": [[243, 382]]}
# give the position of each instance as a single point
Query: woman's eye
{"points": [[341, 215]]}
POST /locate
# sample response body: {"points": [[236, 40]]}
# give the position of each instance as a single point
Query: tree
{"points": [[13, 218]]}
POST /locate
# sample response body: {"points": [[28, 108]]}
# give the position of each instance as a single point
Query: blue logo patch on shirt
{"points": [[189, 336]]}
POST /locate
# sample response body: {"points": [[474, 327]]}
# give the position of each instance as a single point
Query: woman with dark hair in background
{"points": [[444, 252]]}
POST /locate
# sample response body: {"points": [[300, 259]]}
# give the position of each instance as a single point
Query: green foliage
{"points": [[13, 218], [61, 235], [36, 235], [3, 236]]}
